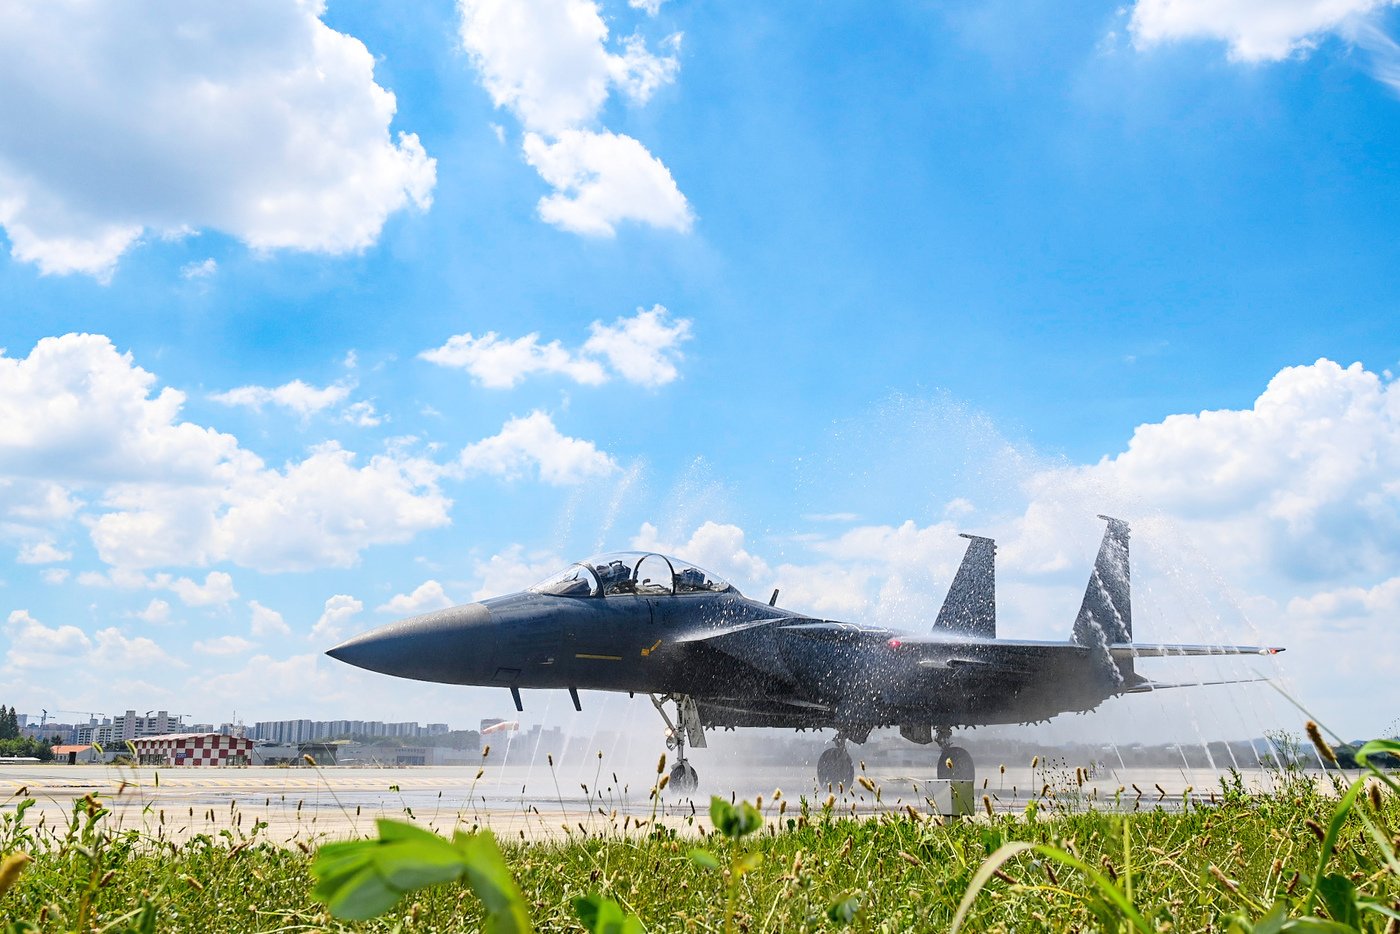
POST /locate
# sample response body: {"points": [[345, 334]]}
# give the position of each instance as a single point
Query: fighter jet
{"points": [[643, 622]]}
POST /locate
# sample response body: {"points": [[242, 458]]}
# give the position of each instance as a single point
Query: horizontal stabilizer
{"points": [[1147, 687], [1143, 650]]}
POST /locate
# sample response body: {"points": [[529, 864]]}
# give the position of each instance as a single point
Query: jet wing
{"points": [[1117, 650]]}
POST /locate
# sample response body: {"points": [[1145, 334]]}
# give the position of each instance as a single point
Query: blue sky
{"points": [[828, 284]]}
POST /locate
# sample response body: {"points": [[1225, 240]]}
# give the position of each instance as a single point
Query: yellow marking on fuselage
{"points": [[646, 652], [598, 658]]}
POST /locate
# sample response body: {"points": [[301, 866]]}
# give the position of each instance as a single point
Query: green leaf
{"points": [[844, 911], [721, 813], [1272, 923], [601, 915], [704, 859], [361, 879], [734, 821], [1339, 895], [748, 863], [491, 880]]}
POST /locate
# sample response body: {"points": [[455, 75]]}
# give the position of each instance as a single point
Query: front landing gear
{"points": [[835, 768], [687, 727], [954, 762]]}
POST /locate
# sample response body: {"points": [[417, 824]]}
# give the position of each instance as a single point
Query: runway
{"points": [[307, 805]]}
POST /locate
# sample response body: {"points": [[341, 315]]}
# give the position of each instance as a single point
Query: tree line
{"points": [[12, 743]]}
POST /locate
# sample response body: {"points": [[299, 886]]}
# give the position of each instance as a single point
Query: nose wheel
{"points": [[683, 779], [835, 766]]}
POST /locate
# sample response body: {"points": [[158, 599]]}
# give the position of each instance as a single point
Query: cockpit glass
{"points": [[631, 572], [576, 580]]}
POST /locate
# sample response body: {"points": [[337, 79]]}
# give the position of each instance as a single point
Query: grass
{"points": [[1325, 852]]}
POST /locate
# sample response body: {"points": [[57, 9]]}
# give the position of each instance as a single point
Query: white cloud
{"points": [[338, 612], [55, 576], [497, 363], [156, 612], [649, 7], [548, 62], [362, 414], [267, 622], [642, 349], [603, 179], [42, 553], [257, 120], [513, 570], [1306, 478], [534, 442], [223, 645], [79, 414], [34, 645], [216, 589], [111, 647], [302, 398], [1255, 32], [427, 596], [201, 270]]}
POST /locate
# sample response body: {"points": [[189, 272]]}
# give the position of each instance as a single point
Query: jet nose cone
{"points": [[455, 646]]}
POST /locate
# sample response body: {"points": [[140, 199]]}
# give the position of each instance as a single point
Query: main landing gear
{"points": [[835, 767], [954, 762], [686, 727]]}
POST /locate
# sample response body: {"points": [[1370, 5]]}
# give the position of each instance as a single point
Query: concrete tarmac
{"points": [[535, 802]]}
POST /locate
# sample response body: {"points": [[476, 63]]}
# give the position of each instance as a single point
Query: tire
{"points": [[956, 763], [683, 781], [835, 768]]}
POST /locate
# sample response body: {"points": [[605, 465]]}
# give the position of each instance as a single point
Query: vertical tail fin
{"points": [[971, 605], [1106, 615]]}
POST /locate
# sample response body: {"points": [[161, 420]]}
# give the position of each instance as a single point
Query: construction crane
{"points": [[91, 715]]}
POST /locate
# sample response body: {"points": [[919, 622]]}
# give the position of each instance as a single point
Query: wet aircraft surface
{"points": [[709, 657]]}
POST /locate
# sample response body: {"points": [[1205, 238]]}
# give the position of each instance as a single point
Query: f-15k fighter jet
{"points": [[648, 623]]}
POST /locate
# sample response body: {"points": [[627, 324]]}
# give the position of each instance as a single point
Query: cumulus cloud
{"points": [[42, 553], [533, 444], [513, 570], [34, 645], [200, 270], [338, 612], [1254, 32], [81, 415], [223, 645], [266, 621], [643, 349], [216, 589], [603, 179], [156, 612], [548, 62], [257, 120], [299, 397], [425, 597], [1306, 476]]}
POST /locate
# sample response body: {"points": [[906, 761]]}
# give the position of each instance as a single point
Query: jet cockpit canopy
{"points": [[631, 572]]}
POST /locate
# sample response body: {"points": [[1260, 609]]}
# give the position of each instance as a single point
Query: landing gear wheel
{"points": [[683, 779], [956, 763], [835, 768]]}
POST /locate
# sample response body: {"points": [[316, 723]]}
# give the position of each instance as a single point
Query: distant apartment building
{"points": [[129, 726], [306, 731]]}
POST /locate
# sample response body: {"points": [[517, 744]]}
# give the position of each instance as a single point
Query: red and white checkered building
{"points": [[193, 749]]}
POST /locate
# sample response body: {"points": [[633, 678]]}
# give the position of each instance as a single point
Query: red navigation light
{"points": [[894, 643]]}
